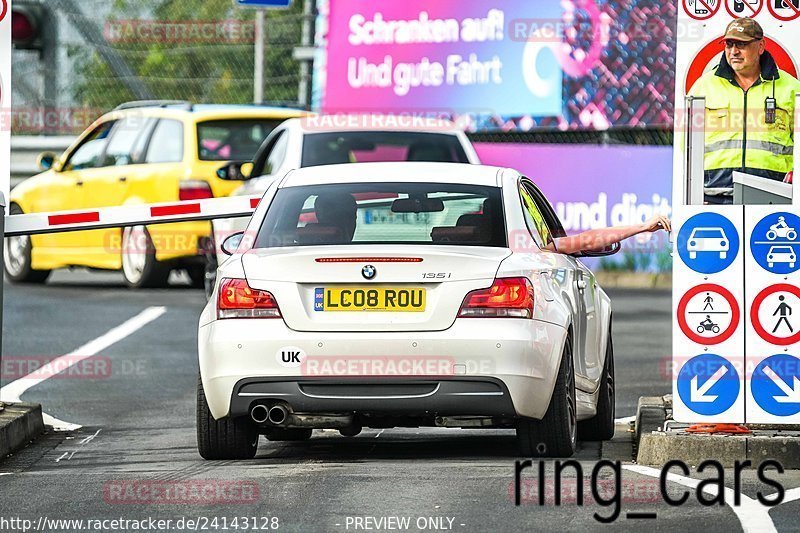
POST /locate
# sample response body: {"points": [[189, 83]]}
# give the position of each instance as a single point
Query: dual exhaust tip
{"points": [[277, 414], [281, 415]]}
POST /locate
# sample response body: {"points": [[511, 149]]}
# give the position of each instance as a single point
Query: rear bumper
{"points": [[518, 358], [452, 396]]}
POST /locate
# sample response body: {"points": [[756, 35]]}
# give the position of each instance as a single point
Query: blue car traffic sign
{"points": [[708, 384], [708, 243], [264, 3], [776, 385], [774, 243]]}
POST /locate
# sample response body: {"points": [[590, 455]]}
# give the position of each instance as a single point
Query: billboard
{"points": [[592, 186], [500, 64], [598, 186]]}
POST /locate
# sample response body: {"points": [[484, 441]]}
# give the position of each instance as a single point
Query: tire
{"points": [[555, 435], [700, 329], [692, 255], [288, 434], [225, 438], [17, 257], [771, 235], [139, 266], [723, 255], [792, 235], [715, 329], [601, 425], [197, 275]]}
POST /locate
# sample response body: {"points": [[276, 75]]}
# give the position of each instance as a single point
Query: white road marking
{"points": [[15, 389], [5, 473], [791, 495], [751, 514], [90, 438]]}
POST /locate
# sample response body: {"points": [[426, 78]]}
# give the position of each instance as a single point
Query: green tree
{"points": [[200, 72]]}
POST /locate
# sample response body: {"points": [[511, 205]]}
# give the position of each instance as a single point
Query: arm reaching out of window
{"points": [[597, 239]]}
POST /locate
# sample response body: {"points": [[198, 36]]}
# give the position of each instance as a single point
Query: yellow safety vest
{"points": [[737, 134]]}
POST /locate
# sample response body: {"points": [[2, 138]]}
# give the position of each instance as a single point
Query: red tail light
{"points": [[238, 300], [506, 298], [194, 190]]}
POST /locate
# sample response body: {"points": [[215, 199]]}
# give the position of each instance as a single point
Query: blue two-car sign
{"points": [[264, 3]]}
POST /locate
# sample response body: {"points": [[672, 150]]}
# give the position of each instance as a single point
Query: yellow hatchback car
{"points": [[142, 152]]}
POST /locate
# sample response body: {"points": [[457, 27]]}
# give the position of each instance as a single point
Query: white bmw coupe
{"points": [[403, 295]]}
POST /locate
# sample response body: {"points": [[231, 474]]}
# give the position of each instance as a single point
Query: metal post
{"points": [[50, 60], [258, 67], [305, 65], [694, 150]]}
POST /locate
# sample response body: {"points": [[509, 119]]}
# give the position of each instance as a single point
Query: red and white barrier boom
{"points": [[130, 215]]}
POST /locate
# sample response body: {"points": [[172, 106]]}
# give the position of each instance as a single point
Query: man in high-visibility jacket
{"points": [[749, 113]]}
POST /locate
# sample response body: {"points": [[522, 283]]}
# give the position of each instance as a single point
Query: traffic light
{"points": [[27, 25]]}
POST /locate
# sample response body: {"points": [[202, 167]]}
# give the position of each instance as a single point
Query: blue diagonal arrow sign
{"points": [[708, 384], [776, 385]]}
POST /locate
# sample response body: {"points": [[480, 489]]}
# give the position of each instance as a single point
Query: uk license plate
{"points": [[403, 300]]}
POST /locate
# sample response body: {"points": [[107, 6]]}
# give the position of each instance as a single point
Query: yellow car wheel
{"points": [[17, 257], [139, 266]]}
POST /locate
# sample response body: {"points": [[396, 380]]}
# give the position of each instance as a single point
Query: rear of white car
{"points": [[326, 140], [415, 313]]}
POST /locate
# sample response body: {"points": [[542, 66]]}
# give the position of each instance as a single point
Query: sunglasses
{"points": [[730, 43]]}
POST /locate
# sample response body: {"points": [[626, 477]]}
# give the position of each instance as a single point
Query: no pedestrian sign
{"points": [[775, 314]]}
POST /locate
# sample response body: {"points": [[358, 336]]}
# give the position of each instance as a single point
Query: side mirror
{"points": [[231, 243], [608, 250], [235, 171], [46, 161]]}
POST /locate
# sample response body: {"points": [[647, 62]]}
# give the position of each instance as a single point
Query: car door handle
{"points": [[123, 178], [79, 183], [581, 284]]}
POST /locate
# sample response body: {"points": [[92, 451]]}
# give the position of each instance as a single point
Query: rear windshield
{"points": [[223, 140], [366, 146], [384, 213]]}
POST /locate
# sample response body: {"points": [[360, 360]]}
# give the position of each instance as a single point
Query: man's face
{"points": [[743, 57]]}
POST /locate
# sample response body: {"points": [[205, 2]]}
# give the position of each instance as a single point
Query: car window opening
{"points": [[384, 213]]}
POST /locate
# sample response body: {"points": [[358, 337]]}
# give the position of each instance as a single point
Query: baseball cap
{"points": [[744, 29]]}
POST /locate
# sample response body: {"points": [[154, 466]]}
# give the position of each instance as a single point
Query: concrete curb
{"points": [[657, 448], [634, 280], [19, 424]]}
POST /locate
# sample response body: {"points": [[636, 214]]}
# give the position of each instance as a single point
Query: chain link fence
{"points": [[100, 53]]}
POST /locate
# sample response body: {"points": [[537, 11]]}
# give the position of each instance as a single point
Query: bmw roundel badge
{"points": [[368, 272]]}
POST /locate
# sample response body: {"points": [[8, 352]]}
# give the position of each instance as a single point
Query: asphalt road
{"points": [[134, 458]]}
